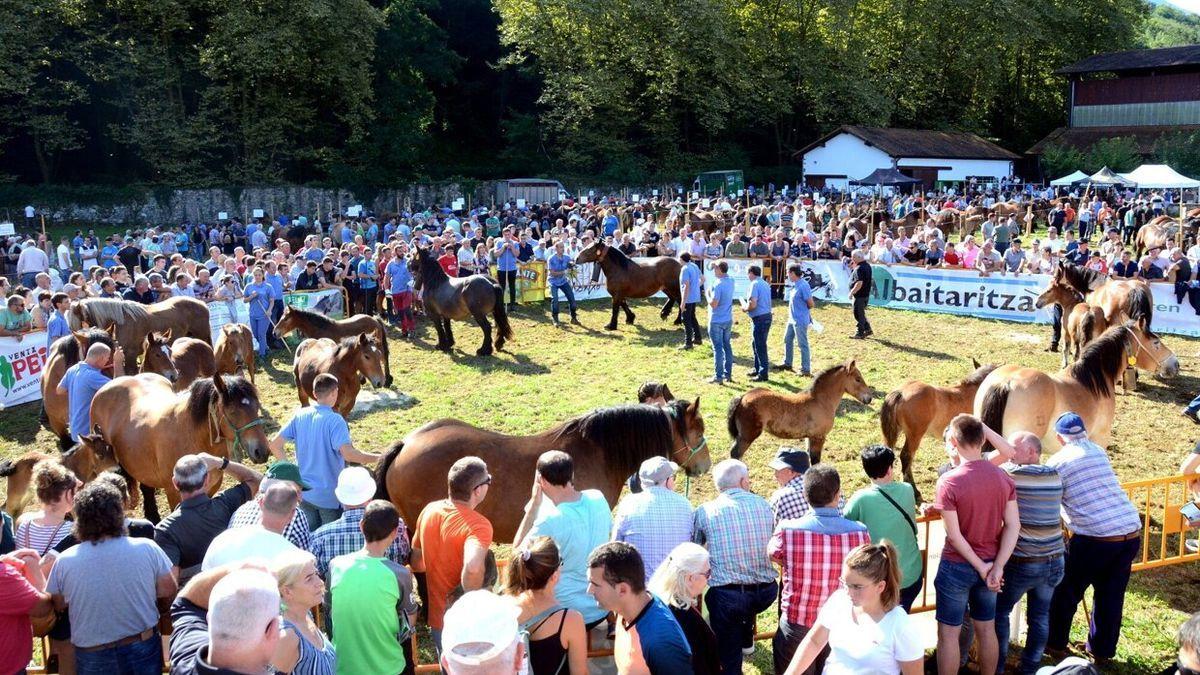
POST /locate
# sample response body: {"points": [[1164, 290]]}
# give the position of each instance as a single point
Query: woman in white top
{"points": [[862, 623]]}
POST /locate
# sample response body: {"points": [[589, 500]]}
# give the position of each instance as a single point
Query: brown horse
{"points": [[626, 278], [149, 426], [920, 410], [185, 317], [18, 474], [64, 353], [1155, 234], [1013, 398], [608, 445], [156, 356], [234, 352], [807, 414], [447, 299], [1081, 322], [193, 360], [313, 325], [348, 361]]}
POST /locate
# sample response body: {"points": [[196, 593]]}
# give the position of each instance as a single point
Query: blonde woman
{"points": [[303, 649], [679, 582], [863, 624]]}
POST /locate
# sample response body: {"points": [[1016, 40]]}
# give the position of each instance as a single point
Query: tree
{"points": [[1059, 160], [1119, 154], [1180, 151]]}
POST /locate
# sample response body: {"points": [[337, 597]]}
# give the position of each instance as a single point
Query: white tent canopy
{"points": [[1067, 180], [1160, 176]]}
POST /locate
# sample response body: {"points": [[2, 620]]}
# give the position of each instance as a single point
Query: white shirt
{"points": [[32, 259], [862, 646], [29, 211], [245, 543], [64, 256]]}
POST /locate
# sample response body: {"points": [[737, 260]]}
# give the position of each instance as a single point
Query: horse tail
{"points": [[887, 418], [381, 470], [731, 417], [995, 401], [503, 327]]}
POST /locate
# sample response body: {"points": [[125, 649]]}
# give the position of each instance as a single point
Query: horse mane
{"points": [[1082, 278], [1101, 361], [101, 312], [627, 434], [201, 391], [976, 378], [825, 376], [348, 343], [432, 273], [618, 256], [320, 321], [1139, 305]]}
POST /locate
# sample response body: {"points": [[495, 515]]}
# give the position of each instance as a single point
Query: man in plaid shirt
{"points": [[736, 527], [788, 500], [811, 550], [250, 513], [355, 489]]}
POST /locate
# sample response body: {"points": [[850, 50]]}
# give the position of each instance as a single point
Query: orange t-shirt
{"points": [[442, 529]]}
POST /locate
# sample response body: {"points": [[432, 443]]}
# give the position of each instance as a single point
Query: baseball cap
{"points": [[656, 470], [1069, 424], [289, 471], [479, 627], [354, 486], [791, 458]]}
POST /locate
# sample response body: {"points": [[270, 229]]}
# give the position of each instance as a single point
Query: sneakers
{"points": [[1192, 545], [748, 651], [782, 366], [1191, 415], [715, 380], [858, 336], [684, 347]]}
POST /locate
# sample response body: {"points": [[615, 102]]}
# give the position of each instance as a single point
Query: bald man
{"points": [[1036, 565], [81, 382]]}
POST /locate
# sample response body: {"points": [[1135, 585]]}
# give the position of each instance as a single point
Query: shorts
{"points": [[955, 584]]}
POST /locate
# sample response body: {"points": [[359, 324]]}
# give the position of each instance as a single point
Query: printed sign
{"points": [[258, 213], [637, 198], [21, 366], [458, 204], [520, 203], [655, 193], [223, 215], [7, 228]]}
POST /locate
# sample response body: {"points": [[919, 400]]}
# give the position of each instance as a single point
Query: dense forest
{"points": [[372, 92]]}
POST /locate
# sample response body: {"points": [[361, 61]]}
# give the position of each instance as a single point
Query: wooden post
{"points": [[687, 213], [43, 224]]}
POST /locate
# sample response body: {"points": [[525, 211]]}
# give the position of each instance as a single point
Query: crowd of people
{"points": [[302, 570]]}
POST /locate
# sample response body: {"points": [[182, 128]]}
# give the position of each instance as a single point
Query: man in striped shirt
{"points": [[1105, 537], [1036, 565], [811, 550]]}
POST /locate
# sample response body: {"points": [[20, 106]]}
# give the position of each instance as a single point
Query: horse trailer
{"points": [[724, 182], [532, 190]]}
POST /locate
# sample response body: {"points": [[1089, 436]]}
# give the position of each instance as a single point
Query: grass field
{"points": [[551, 374]]}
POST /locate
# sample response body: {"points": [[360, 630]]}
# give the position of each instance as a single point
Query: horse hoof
{"points": [[611, 326], [483, 352]]}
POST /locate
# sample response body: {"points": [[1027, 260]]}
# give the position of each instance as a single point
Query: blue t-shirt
{"points": [[610, 225], [259, 305], [319, 433], [348, 234], [401, 277], [505, 255], [82, 381], [690, 274], [559, 263], [108, 255], [576, 528], [760, 292], [276, 282], [722, 292], [657, 637], [798, 304], [367, 274], [56, 327], [314, 254]]}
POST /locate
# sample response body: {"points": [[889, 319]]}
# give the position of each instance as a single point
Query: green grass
{"points": [[551, 374]]}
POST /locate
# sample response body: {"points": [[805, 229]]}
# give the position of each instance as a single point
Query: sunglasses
{"points": [[1184, 670], [487, 481]]}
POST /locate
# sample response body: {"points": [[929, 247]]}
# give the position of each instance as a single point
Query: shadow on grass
{"points": [[1175, 586], [22, 422], [917, 351], [1176, 391], [519, 364]]}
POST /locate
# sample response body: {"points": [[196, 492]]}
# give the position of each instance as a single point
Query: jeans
{"points": [[139, 658], [29, 279], [860, 315], [800, 336], [1103, 565], [261, 327], [318, 516], [1038, 580], [1194, 406], [758, 333], [732, 610], [721, 335], [909, 594], [509, 278], [691, 327], [956, 583], [787, 638], [367, 300], [567, 291], [1056, 324], [276, 314]]}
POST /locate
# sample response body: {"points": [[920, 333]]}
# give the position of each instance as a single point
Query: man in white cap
{"points": [[481, 636], [355, 488], [657, 519]]}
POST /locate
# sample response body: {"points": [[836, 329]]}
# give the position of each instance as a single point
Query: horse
{"points": [[1154, 234], [146, 427], [187, 317], [919, 409], [64, 353], [1013, 398], [458, 299], [18, 474], [607, 445], [193, 360], [234, 352], [807, 414], [295, 235], [626, 278], [1081, 322], [348, 361], [156, 356], [313, 325]]}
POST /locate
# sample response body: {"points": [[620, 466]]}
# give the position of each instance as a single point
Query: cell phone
{"points": [[1191, 512]]}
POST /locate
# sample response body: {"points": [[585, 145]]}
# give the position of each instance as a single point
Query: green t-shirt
{"points": [[493, 226], [15, 320], [367, 596], [884, 521]]}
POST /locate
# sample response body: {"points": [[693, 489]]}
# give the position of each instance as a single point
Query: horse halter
{"points": [[1143, 348], [237, 452]]}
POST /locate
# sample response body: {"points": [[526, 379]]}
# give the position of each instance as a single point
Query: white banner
{"points": [[21, 364], [328, 302]]}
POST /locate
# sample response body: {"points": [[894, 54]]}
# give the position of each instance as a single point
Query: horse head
{"points": [[854, 384], [234, 405], [593, 252], [692, 455], [1060, 291], [90, 456], [283, 326], [1150, 353], [370, 359], [156, 356]]}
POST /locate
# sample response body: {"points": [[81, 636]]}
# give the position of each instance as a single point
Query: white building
{"points": [[853, 152]]}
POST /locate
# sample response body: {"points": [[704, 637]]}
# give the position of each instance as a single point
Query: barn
{"points": [[933, 157], [1140, 93]]}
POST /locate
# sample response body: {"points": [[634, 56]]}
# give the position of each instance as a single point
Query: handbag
{"points": [[42, 625]]}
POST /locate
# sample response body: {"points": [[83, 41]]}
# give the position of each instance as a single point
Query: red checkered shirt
{"points": [[812, 567]]}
